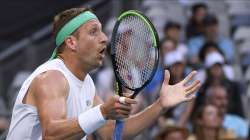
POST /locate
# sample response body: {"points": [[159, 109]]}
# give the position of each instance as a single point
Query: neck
{"points": [[74, 66], [211, 37], [210, 133]]}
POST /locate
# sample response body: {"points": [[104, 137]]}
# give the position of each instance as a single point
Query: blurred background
{"points": [[212, 37]]}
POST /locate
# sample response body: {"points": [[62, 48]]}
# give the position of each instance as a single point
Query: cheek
{"points": [[216, 71], [176, 33], [87, 46], [211, 120], [172, 33], [88, 42], [207, 119], [214, 29], [201, 14]]}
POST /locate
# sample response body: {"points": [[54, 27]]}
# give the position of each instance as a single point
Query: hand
{"points": [[114, 110], [171, 95]]}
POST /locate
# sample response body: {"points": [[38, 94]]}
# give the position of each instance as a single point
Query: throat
{"points": [[74, 68]]}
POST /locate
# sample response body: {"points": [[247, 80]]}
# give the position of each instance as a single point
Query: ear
{"points": [[71, 42]]}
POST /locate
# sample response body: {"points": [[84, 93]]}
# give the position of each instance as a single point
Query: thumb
{"points": [[166, 77]]}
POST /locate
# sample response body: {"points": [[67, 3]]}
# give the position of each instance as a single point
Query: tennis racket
{"points": [[134, 55]]}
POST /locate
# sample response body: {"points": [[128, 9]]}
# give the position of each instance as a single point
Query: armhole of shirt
{"points": [[20, 102]]}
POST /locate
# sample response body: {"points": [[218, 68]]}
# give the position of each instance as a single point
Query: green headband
{"points": [[70, 27]]}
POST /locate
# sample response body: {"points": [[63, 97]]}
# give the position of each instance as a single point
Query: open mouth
{"points": [[102, 51]]}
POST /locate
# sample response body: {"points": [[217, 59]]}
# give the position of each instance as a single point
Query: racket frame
{"points": [[119, 80]]}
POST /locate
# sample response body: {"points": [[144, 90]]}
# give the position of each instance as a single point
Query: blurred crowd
{"points": [[220, 52], [220, 111]]}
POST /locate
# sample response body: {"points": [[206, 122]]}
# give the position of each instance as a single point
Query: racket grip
{"points": [[118, 130]]}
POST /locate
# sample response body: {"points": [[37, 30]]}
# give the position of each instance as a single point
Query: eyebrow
{"points": [[93, 25]]}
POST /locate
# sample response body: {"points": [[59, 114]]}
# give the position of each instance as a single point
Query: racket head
{"points": [[134, 45]]}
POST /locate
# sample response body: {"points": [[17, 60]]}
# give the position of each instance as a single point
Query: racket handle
{"points": [[118, 130]]}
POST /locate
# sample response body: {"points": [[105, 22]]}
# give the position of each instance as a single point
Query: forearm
{"points": [[87, 123], [63, 129], [135, 124]]}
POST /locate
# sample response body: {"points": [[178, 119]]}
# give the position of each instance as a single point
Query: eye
{"points": [[93, 31]]}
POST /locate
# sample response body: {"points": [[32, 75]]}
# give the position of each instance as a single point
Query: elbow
{"points": [[49, 133], [46, 137], [49, 137]]}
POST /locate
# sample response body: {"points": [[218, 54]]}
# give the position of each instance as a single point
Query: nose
{"points": [[104, 39]]}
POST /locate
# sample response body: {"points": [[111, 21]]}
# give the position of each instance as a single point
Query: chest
{"points": [[80, 99]]}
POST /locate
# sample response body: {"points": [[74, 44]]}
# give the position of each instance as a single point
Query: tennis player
{"points": [[58, 100]]}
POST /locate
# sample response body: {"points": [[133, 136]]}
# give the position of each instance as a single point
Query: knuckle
{"points": [[117, 111], [127, 108], [115, 98], [127, 113], [116, 105]]}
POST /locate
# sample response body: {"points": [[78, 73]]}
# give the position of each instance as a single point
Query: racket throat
{"points": [[135, 94]]}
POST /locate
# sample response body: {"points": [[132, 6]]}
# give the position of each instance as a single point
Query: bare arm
{"points": [[170, 95], [49, 93], [137, 123], [106, 131], [132, 125]]}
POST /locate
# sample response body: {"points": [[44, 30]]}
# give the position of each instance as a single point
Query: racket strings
{"points": [[135, 54]]}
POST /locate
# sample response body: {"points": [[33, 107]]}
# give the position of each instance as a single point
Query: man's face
{"points": [[211, 117], [216, 70], [200, 14], [173, 33], [220, 98], [91, 44], [167, 46], [211, 32]]}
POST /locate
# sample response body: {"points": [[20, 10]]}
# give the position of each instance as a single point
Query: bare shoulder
{"points": [[50, 83]]}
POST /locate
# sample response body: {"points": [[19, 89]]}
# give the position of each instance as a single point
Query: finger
{"points": [[122, 112], [123, 106], [191, 97], [192, 85], [130, 101], [166, 77], [189, 77], [121, 115], [194, 89], [116, 97], [122, 100], [127, 94]]}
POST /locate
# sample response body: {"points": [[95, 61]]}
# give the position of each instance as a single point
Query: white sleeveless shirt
{"points": [[25, 124]]}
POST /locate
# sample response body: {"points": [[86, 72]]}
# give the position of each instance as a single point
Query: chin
{"points": [[99, 64]]}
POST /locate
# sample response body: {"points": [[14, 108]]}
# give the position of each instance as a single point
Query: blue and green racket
{"points": [[134, 54]]}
